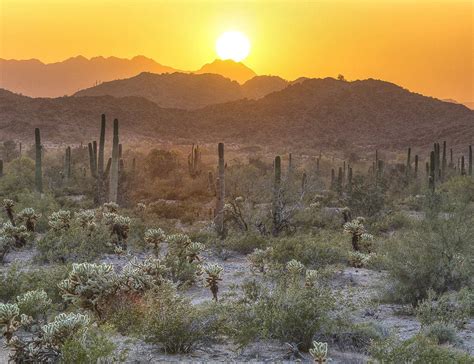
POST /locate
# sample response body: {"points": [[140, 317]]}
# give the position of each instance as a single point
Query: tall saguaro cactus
{"points": [[431, 178], [38, 162], [114, 167], [1, 168], [100, 163], [194, 161], [67, 164], [470, 161], [277, 203], [220, 186]]}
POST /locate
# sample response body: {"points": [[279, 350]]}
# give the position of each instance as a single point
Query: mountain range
{"points": [[309, 114], [37, 79]]}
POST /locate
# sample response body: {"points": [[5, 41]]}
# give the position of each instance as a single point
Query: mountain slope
{"points": [[313, 114], [37, 79], [233, 70], [176, 90], [260, 86]]}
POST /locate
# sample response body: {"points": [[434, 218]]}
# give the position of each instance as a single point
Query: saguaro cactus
{"points": [[277, 202], [1, 168], [444, 162], [431, 178], [38, 162], [349, 179], [194, 161], [100, 163], [67, 164], [408, 168], [219, 220], [92, 163], [114, 167], [463, 168], [470, 161], [416, 166]]}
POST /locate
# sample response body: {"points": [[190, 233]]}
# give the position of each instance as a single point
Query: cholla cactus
{"points": [[110, 207], [29, 218], [259, 259], [89, 285], [319, 352], [120, 227], [311, 278], [9, 319], [141, 207], [5, 246], [359, 260], [64, 326], [213, 272], [366, 241], [60, 220], [12, 233], [8, 206], [178, 244], [193, 250], [139, 276], [356, 229], [85, 218], [294, 268], [154, 237], [34, 303]]}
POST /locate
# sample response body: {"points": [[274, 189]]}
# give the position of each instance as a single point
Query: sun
{"points": [[233, 45]]}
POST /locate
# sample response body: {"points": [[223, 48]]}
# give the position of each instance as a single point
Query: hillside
{"points": [[175, 90], [313, 114], [37, 79], [185, 90]]}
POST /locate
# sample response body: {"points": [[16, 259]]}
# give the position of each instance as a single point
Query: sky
{"points": [[426, 46]]}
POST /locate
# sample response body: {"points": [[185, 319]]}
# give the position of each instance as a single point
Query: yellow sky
{"points": [[425, 46]]}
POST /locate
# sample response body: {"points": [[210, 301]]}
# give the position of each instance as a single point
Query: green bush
{"points": [[89, 348], [173, 322], [74, 244], [434, 255], [245, 243], [441, 332], [313, 250], [15, 282], [288, 312], [417, 350]]}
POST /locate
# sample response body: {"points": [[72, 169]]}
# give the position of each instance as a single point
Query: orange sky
{"points": [[426, 46]]}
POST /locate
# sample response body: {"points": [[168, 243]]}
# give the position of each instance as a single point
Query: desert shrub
{"points": [[458, 191], [445, 308], [418, 350], [174, 323], [356, 337], [245, 243], [441, 332], [93, 346], [392, 222], [367, 197], [15, 282], [290, 312], [19, 177], [314, 250], [74, 244], [434, 255]]}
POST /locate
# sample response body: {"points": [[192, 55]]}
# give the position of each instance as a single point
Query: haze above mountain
{"points": [[37, 79], [310, 114]]}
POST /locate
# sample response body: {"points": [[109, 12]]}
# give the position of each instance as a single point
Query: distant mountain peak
{"points": [[236, 71]]}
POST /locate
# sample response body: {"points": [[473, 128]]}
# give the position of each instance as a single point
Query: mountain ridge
{"points": [[311, 115]]}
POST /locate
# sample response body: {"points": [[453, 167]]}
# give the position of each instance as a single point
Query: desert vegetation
{"points": [[209, 253]]}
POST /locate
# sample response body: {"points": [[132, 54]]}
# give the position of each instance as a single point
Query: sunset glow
{"points": [[233, 45]]}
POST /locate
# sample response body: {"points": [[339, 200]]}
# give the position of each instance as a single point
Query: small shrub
{"points": [[441, 332]]}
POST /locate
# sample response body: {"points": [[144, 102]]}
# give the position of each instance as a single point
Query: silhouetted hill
{"points": [[313, 114], [37, 79], [236, 71], [260, 86], [176, 90]]}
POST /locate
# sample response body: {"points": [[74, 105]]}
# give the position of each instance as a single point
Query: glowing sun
{"points": [[233, 45]]}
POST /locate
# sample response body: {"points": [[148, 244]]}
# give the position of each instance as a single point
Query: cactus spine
{"points": [[38, 162], [219, 221], [114, 167]]}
